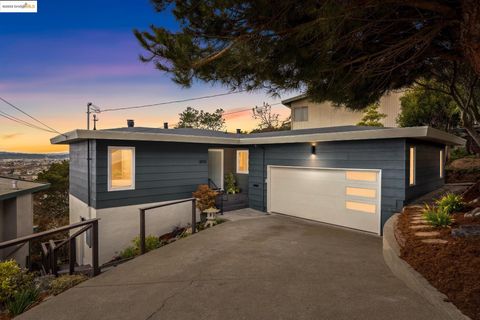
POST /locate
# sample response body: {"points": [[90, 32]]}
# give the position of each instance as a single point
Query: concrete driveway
{"points": [[271, 267]]}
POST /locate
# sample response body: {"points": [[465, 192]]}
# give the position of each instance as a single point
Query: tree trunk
{"points": [[474, 134], [470, 32]]}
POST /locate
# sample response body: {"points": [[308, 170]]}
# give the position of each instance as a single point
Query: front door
{"points": [[215, 166]]}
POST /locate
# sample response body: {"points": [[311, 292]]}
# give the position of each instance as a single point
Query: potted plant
{"points": [[205, 199], [231, 188]]}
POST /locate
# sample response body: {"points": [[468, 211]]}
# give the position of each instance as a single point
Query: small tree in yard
{"points": [[51, 206], [205, 197], [372, 117], [269, 121]]}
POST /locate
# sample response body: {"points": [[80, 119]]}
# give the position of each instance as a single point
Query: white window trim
{"points": [[248, 161], [109, 168], [412, 166]]}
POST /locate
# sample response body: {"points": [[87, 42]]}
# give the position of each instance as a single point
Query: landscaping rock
{"points": [[464, 231], [427, 233], [43, 283], [419, 222], [473, 213], [420, 226], [475, 202], [435, 241]]}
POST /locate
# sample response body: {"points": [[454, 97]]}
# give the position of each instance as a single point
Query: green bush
{"points": [[231, 184], [437, 217], [450, 203], [458, 153], [66, 282], [151, 243], [21, 300], [13, 279]]}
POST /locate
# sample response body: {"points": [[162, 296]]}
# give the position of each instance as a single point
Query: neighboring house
{"points": [[307, 114], [350, 176], [16, 214]]}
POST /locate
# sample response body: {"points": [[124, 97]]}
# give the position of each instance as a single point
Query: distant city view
{"points": [[27, 166]]}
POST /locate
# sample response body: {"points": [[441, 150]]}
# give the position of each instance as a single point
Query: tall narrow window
{"points": [[121, 168], [442, 162], [242, 161], [413, 164], [300, 114]]}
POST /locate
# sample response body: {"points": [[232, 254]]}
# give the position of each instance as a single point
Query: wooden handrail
{"points": [[142, 218], [42, 234], [50, 254]]}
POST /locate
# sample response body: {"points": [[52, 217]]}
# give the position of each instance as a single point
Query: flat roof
{"points": [[23, 187], [186, 135]]}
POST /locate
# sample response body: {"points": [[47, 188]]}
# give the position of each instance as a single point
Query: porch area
{"points": [[228, 174]]}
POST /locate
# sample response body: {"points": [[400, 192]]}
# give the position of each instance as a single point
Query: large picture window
{"points": [[121, 168], [242, 161]]}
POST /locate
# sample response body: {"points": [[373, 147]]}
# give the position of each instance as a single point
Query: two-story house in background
{"points": [[307, 114]]}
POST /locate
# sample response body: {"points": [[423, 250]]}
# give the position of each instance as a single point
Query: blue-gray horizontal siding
{"points": [[387, 155], [427, 171], [163, 171], [79, 169]]}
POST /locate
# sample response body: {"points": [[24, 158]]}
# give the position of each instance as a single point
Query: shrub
{"points": [[21, 300], [437, 217], [66, 282], [458, 153], [450, 203], [231, 184], [151, 243], [205, 197], [13, 279]]}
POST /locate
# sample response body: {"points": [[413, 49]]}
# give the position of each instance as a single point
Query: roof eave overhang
{"points": [[422, 133]]}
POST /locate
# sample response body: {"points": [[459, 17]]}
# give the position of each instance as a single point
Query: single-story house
{"points": [[350, 176], [306, 114], [16, 214]]}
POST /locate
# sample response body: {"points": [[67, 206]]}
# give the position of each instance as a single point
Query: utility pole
{"points": [[88, 114]]}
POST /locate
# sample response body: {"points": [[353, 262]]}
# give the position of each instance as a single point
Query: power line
{"points": [[244, 110], [20, 121], [31, 117], [170, 102]]}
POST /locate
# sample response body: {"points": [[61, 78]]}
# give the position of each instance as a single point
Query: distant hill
{"points": [[18, 155]]}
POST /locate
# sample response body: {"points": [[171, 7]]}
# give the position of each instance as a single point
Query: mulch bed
{"points": [[453, 268]]}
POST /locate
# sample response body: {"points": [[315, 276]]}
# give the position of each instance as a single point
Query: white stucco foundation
{"points": [[120, 225]]}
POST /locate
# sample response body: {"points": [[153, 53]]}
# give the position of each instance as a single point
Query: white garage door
{"points": [[345, 197]]}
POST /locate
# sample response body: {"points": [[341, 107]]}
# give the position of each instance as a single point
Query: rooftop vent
{"points": [[165, 125], [130, 123], [239, 131]]}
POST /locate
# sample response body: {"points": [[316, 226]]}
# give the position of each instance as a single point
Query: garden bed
{"points": [[452, 264]]}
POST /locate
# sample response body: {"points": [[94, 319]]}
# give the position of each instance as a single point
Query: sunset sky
{"points": [[72, 52]]}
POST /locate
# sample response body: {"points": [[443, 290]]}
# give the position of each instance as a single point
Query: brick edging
{"points": [[414, 280]]}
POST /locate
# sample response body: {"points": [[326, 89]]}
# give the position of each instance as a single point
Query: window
{"points": [[413, 164], [361, 176], [360, 206], [361, 192], [300, 114], [121, 168], [242, 161], [442, 162]]}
